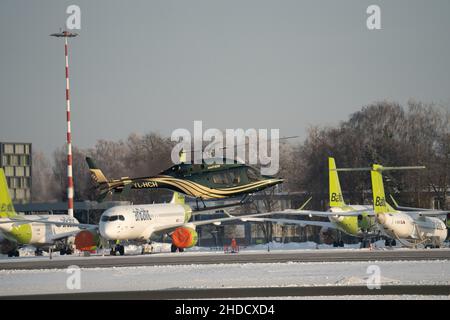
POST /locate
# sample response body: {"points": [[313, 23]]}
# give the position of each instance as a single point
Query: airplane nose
{"points": [[381, 218], [108, 232]]}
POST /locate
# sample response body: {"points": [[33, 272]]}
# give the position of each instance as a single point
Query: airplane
{"points": [[143, 223], [212, 180], [362, 225], [410, 228], [44, 232]]}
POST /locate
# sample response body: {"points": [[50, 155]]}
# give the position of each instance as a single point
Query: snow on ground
{"points": [[19, 282], [28, 251], [349, 297], [281, 246]]}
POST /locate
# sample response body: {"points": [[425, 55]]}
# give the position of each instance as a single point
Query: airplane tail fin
{"points": [[379, 197], [96, 174], [6, 204], [177, 198], [336, 199], [183, 156]]}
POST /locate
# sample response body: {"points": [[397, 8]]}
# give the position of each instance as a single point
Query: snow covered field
{"points": [[28, 251], [20, 282]]}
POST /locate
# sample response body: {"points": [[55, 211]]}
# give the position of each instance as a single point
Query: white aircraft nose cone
{"points": [[381, 218], [108, 232]]}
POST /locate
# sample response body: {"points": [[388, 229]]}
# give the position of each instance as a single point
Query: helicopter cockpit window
{"points": [[221, 178], [234, 177], [252, 174]]}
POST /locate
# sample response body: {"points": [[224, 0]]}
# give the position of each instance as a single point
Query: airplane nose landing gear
{"points": [[118, 248]]}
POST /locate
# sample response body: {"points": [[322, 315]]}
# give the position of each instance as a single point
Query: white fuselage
{"points": [[138, 222], [35, 233], [409, 227]]}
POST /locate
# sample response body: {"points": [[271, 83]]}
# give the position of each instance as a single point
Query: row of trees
{"points": [[384, 132]]}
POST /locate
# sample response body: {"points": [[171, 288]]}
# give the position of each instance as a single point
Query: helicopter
{"points": [[206, 181]]}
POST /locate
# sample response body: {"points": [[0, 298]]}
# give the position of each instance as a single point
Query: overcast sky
{"points": [[142, 66]]}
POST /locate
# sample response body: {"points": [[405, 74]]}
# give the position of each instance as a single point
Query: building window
{"points": [[13, 182], [24, 160], [27, 171], [5, 161], [19, 149], [20, 194], [9, 171], [27, 149], [20, 171], [9, 148], [14, 160]]}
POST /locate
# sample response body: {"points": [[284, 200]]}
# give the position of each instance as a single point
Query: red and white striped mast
{"points": [[70, 190]]}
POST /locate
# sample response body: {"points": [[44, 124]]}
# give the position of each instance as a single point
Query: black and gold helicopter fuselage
{"points": [[201, 181]]}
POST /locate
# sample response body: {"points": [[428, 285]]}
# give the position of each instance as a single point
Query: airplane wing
{"points": [[428, 213], [6, 236], [170, 228], [311, 213], [302, 223], [17, 221], [64, 235], [420, 211]]}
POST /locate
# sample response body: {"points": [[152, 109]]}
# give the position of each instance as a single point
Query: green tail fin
{"points": [[379, 197], [6, 204], [177, 198], [182, 155], [336, 199]]}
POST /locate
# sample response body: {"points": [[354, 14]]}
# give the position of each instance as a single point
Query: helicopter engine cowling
{"points": [[184, 237]]}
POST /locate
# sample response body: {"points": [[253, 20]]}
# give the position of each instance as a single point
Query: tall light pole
{"points": [[70, 192]]}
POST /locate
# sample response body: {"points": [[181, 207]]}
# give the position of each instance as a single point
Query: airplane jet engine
{"points": [[86, 240], [6, 246], [184, 237]]}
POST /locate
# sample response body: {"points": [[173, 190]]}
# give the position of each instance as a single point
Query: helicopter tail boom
{"points": [[96, 174]]}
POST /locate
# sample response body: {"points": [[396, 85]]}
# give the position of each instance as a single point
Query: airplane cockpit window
{"points": [[113, 218]]}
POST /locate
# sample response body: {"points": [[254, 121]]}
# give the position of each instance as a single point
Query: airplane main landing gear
{"points": [[64, 251], [118, 248], [174, 248], [337, 244], [365, 243], [13, 253], [390, 243], [434, 244]]}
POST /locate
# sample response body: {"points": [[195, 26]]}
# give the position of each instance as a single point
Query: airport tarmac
{"points": [[199, 258], [257, 293]]}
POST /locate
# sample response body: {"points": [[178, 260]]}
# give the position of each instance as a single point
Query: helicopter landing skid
{"points": [[245, 200]]}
